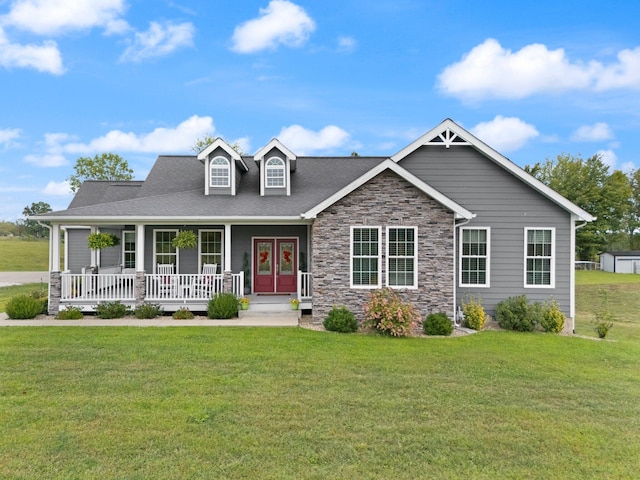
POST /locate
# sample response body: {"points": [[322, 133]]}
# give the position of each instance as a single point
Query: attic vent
{"points": [[447, 138]]}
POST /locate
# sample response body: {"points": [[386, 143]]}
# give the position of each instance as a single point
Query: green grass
{"points": [[232, 403], [18, 255]]}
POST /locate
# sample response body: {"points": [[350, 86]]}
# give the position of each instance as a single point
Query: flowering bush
{"points": [[474, 316], [386, 313]]}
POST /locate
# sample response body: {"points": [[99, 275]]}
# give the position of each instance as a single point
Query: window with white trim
{"points": [[129, 249], [539, 257], [163, 251], [402, 257], [211, 247], [274, 173], [474, 257], [220, 172], [366, 243]]}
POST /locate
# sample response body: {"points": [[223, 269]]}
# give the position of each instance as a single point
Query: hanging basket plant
{"points": [[98, 241], [185, 239]]}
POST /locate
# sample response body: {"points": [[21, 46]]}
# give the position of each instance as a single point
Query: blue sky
{"points": [[141, 78]]}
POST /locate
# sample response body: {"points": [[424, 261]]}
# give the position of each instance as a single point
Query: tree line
{"points": [[613, 197]]}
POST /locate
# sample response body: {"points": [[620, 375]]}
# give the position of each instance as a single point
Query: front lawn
{"points": [[169, 403]]}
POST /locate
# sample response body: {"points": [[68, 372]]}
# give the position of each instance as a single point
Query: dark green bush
{"points": [[147, 310], [437, 324], [112, 310], [70, 313], [183, 314], [23, 307], [223, 306], [341, 320], [515, 313]]}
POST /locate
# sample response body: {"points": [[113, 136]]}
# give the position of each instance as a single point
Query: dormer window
{"points": [[220, 170], [275, 173]]}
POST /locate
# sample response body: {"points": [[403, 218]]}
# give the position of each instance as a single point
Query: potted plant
{"points": [[98, 241], [295, 303], [244, 303], [185, 239]]}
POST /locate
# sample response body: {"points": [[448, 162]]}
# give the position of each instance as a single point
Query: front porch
{"points": [[170, 291]]}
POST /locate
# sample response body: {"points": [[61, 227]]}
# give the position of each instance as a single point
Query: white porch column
{"points": [[227, 248], [140, 248], [54, 254]]}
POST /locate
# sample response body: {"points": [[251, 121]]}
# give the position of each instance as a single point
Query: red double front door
{"points": [[275, 265]]}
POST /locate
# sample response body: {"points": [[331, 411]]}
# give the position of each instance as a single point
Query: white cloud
{"points": [[627, 167], [491, 71], [158, 41], [346, 44], [46, 160], [57, 188], [52, 17], [592, 133], [44, 58], [165, 140], [505, 134], [608, 157], [282, 22], [303, 141], [8, 135]]}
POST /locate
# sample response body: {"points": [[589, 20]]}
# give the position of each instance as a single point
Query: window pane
{"points": [[402, 261], [365, 259], [474, 257]]}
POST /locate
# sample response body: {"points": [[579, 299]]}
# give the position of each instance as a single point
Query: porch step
{"points": [[269, 313]]}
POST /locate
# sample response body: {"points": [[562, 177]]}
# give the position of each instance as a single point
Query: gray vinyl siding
{"points": [[112, 256], [507, 206], [79, 255]]}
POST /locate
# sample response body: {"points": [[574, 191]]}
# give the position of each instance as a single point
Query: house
{"points": [[620, 262], [444, 219]]}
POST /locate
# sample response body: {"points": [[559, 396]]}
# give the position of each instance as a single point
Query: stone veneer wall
{"points": [[386, 200]]}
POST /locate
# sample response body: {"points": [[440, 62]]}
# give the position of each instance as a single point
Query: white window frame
{"points": [[125, 251], [226, 166], [200, 253], [552, 257], [378, 257], [413, 257], [487, 257], [281, 167], [155, 254]]}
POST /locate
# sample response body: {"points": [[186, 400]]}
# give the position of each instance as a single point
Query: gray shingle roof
{"points": [[175, 188]]}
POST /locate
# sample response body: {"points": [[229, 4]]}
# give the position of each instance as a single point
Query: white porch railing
{"points": [[182, 286], [238, 284], [304, 285], [97, 288]]}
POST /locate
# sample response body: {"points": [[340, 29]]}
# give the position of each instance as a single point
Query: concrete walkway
{"points": [[8, 279]]}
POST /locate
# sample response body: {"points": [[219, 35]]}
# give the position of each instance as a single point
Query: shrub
{"points": [[552, 319], [41, 296], [515, 313], [71, 313], [183, 314], [474, 316], [23, 307], [602, 328], [386, 313], [437, 324], [604, 318], [341, 320], [147, 310], [112, 310], [223, 306]]}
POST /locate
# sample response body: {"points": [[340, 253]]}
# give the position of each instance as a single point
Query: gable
{"points": [[449, 135]]}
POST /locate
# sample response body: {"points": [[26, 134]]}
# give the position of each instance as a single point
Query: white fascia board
{"points": [[389, 164], [501, 160], [218, 142], [274, 143], [239, 220]]}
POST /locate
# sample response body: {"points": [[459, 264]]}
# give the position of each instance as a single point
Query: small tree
{"points": [[106, 166]]}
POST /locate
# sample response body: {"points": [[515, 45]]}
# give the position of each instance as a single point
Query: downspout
{"points": [[573, 275], [48, 227]]}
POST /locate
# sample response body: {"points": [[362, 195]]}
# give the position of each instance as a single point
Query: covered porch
{"points": [[132, 274]]}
